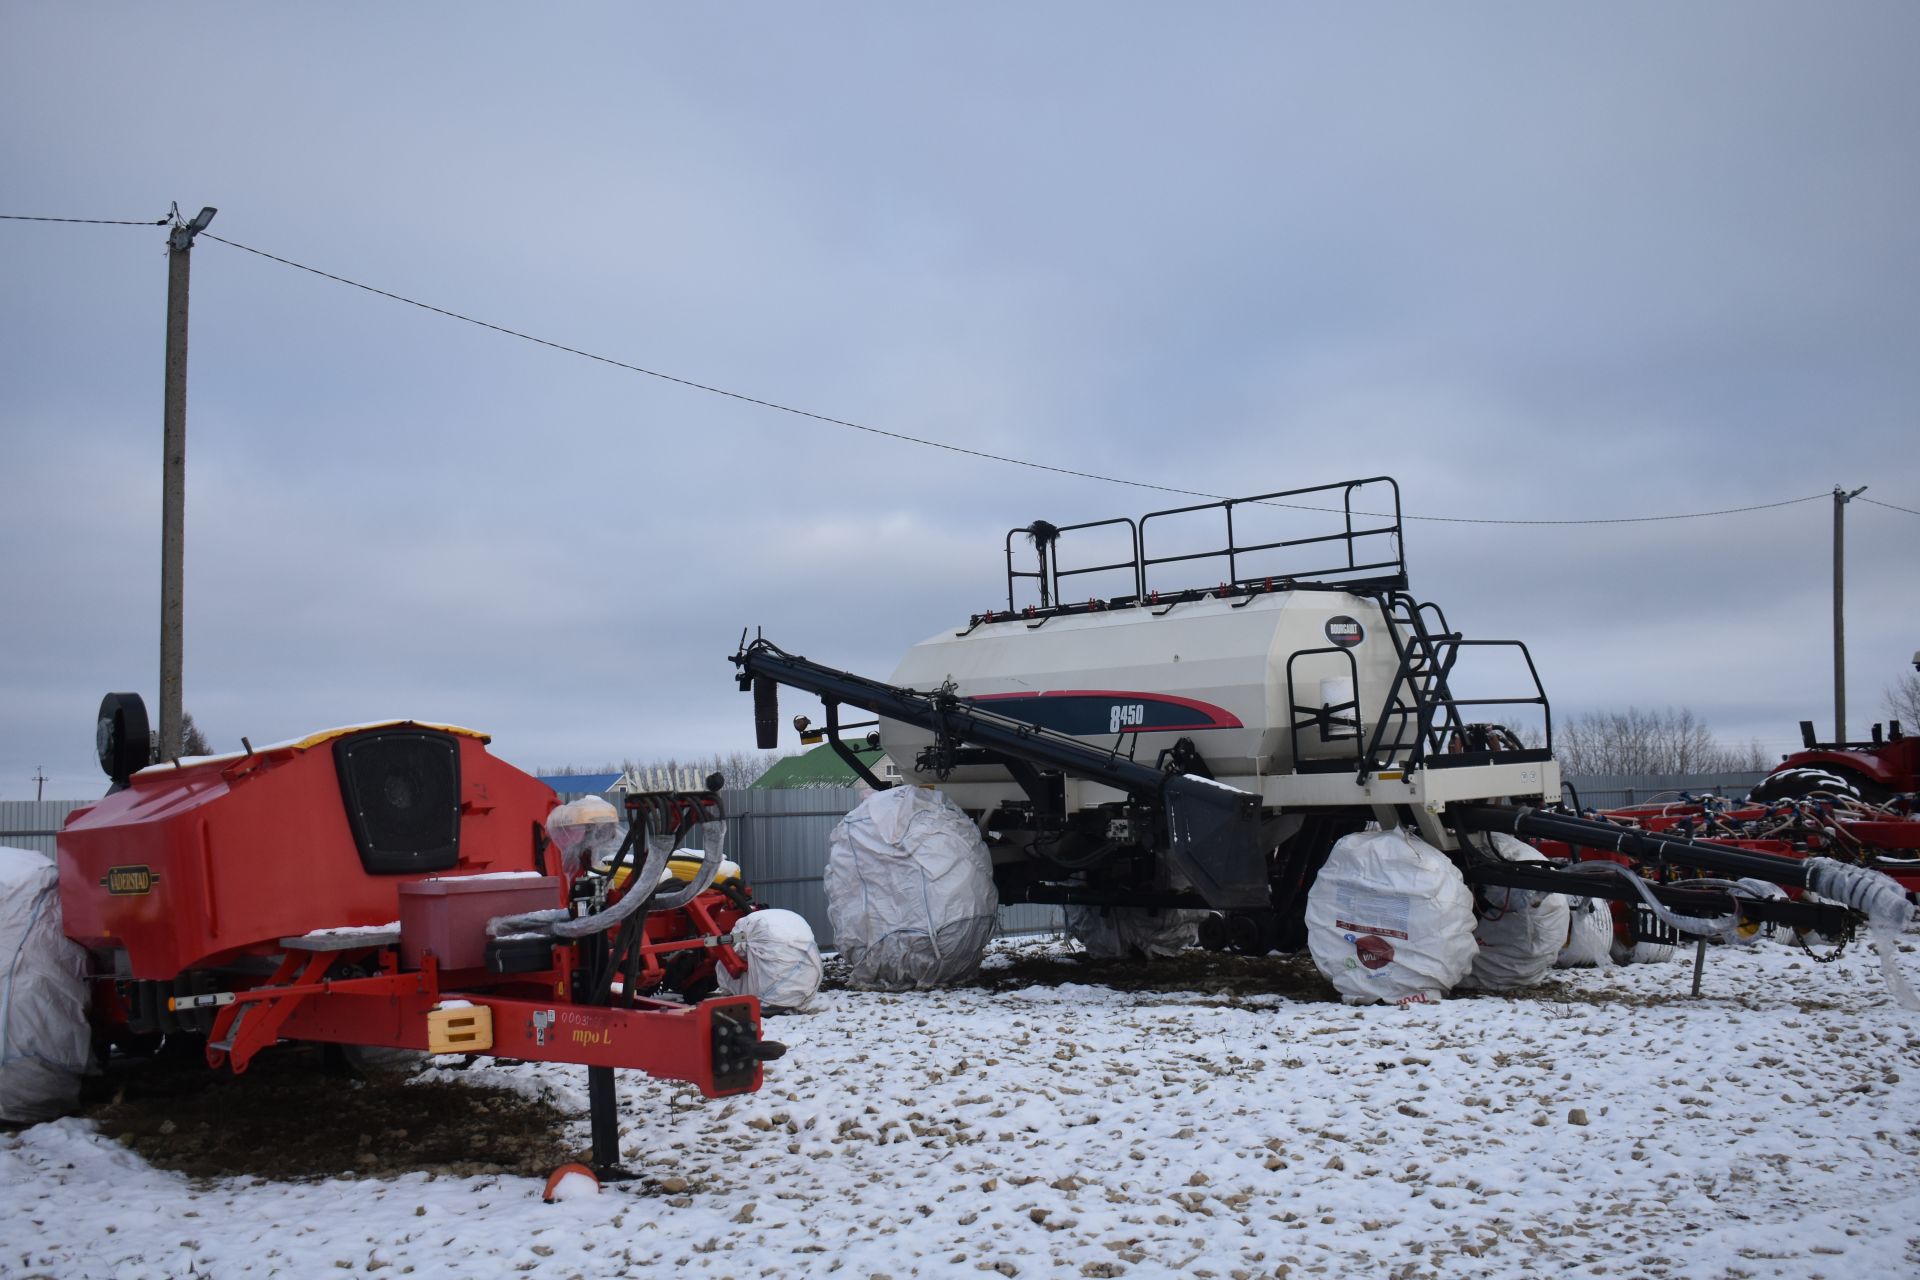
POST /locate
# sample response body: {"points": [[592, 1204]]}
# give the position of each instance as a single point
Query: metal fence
{"points": [[32, 824], [1616, 791]]}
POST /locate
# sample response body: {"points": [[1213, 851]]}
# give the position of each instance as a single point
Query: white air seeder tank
{"points": [[1257, 685]]}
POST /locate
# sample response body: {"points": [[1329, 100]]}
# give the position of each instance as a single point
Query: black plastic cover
{"points": [[1213, 839], [401, 788]]}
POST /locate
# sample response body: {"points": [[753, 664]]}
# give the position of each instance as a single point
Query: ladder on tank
{"points": [[1420, 698]]}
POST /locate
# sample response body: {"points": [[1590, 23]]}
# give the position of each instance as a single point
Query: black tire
{"points": [[1806, 782], [123, 737]]}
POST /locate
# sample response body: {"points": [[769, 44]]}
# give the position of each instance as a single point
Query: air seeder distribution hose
{"points": [[1882, 901], [557, 923]]}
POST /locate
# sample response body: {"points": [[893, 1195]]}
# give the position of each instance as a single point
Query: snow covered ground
{"points": [[1605, 1125]]}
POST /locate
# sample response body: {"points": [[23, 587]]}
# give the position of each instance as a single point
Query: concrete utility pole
{"points": [[1841, 498], [173, 484]]}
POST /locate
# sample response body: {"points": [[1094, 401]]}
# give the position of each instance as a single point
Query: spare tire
{"points": [[122, 737]]}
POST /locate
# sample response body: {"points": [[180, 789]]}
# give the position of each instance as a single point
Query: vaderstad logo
{"points": [[1344, 631], [125, 881]]}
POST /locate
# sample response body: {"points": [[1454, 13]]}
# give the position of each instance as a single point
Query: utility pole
{"points": [[1841, 497], [39, 780], [173, 484]]}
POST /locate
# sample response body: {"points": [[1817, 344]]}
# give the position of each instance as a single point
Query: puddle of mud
{"points": [[1217, 973], [287, 1119]]}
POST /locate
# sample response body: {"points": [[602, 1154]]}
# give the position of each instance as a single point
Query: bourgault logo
{"points": [[1344, 631]]}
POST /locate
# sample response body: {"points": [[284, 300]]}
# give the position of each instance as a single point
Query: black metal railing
{"points": [[1044, 542], [1420, 721], [1347, 556]]}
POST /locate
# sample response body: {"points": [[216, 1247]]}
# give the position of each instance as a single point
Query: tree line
{"points": [[739, 768], [1638, 741]]}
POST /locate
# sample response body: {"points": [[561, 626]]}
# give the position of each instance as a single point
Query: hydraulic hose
{"points": [[557, 923], [702, 881]]}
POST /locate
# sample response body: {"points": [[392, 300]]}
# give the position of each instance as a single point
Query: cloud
{"points": [[1538, 265]]}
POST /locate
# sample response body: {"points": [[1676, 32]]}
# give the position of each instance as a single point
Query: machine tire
{"points": [[123, 737], [1802, 782]]}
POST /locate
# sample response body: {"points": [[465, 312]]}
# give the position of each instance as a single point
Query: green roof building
{"points": [[823, 767]]}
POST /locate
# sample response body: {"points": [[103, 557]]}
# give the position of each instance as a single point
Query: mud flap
{"points": [[1213, 839]]}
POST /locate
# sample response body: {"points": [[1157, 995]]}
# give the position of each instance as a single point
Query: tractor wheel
{"points": [[1807, 782]]}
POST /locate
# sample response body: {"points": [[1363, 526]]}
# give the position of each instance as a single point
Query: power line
{"points": [[1685, 515], [699, 386], [897, 435], [100, 222], [879, 431], [1888, 505]]}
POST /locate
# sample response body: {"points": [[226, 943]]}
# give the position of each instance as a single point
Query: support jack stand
{"points": [[604, 1111]]}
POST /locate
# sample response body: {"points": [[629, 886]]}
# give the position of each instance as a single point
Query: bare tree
{"points": [[739, 768], [192, 741], [1637, 741], [1903, 701]]}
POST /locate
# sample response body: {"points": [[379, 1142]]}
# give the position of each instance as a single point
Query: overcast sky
{"points": [[1536, 262]]}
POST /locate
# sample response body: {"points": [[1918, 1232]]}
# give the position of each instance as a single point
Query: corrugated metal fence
{"points": [[1620, 790], [31, 824]]}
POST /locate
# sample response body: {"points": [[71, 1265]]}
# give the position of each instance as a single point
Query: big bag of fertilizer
{"points": [[783, 962], [1589, 943], [1519, 931], [1389, 918], [910, 891], [1116, 933], [45, 1046]]}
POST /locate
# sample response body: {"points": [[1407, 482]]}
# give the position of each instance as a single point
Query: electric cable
{"points": [[1888, 505], [100, 222], [939, 444], [903, 437]]}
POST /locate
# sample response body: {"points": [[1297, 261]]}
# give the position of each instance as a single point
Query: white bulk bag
{"points": [[45, 1045], [783, 962], [1114, 933], [1389, 918], [1519, 931], [1589, 942], [910, 891]]}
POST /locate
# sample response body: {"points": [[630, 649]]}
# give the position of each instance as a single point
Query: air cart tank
{"points": [[1233, 672]]}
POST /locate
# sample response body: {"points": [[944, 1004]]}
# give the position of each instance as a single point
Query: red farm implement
{"points": [[394, 885]]}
